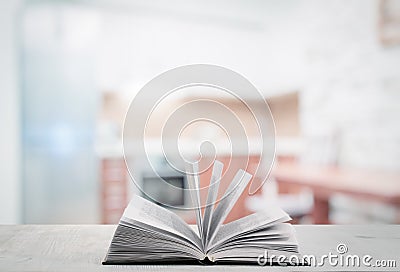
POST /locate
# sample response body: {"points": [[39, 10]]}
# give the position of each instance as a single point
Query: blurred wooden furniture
{"points": [[83, 247], [114, 189], [296, 200], [381, 186]]}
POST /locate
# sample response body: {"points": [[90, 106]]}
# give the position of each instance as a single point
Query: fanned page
{"points": [[211, 199], [227, 201], [194, 187], [243, 240]]}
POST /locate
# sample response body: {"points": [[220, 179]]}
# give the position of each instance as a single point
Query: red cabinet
{"points": [[114, 189]]}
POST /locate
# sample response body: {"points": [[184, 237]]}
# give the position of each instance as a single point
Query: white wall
{"points": [[254, 38], [329, 51], [9, 116], [353, 83], [353, 87]]}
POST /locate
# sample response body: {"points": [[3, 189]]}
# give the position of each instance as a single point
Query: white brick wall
{"points": [[329, 50], [353, 83], [353, 88]]}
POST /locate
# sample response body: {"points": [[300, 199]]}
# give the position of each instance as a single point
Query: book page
{"points": [[277, 239], [250, 254], [226, 203], [252, 222], [211, 198], [193, 182], [142, 210], [280, 235], [137, 241]]}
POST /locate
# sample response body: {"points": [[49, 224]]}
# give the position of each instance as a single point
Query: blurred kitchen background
{"points": [[330, 71]]}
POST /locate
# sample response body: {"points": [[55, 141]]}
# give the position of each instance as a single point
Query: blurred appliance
{"points": [[165, 188]]}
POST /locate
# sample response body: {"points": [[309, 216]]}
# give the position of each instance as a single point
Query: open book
{"points": [[148, 233]]}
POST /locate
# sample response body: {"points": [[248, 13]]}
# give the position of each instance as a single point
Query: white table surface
{"points": [[83, 247]]}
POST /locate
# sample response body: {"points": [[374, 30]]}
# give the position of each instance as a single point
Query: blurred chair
{"points": [[297, 205], [320, 148], [295, 201]]}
